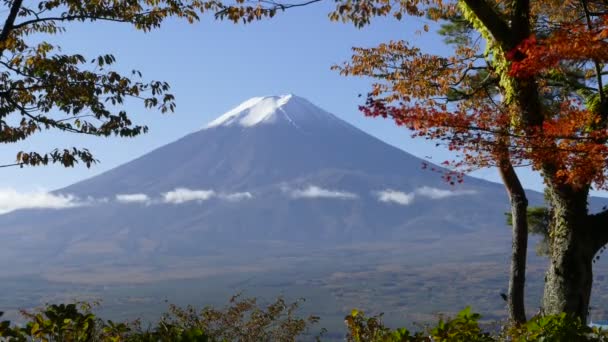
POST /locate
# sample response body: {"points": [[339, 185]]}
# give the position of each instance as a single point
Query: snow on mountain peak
{"points": [[270, 109], [252, 111]]}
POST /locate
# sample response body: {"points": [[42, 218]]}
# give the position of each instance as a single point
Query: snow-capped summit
{"points": [[276, 169], [288, 108]]}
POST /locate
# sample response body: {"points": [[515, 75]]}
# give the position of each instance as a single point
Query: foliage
{"points": [[465, 327], [467, 100], [361, 328], [539, 220], [43, 87], [243, 320], [561, 327], [71, 322]]}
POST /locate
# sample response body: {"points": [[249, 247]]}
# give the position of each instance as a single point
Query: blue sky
{"points": [[213, 66]]}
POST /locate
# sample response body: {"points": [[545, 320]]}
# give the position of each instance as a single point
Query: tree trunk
{"points": [[519, 214], [573, 245], [517, 279]]}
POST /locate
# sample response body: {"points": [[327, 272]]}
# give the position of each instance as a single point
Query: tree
{"points": [[458, 32], [42, 88], [541, 120], [523, 87]]}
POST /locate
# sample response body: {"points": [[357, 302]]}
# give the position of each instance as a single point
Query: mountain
{"points": [[274, 168], [263, 141]]}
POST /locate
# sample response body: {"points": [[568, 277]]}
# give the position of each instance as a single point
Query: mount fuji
{"points": [[274, 170], [265, 141]]}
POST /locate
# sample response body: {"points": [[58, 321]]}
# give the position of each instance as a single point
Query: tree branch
{"points": [[499, 29], [71, 18], [11, 165], [519, 247], [274, 6], [598, 72], [10, 20], [520, 20]]}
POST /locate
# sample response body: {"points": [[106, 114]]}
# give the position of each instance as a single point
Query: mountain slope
{"points": [[273, 169], [294, 140]]}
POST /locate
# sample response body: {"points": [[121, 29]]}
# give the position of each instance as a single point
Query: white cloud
{"points": [[11, 199], [237, 196], [435, 193], [405, 198], [394, 196], [133, 198], [181, 195], [317, 192]]}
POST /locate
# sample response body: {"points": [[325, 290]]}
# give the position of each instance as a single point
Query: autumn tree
{"points": [[44, 88], [459, 32], [523, 86], [541, 105]]}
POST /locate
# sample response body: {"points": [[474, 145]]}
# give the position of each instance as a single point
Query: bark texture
{"points": [[573, 245]]}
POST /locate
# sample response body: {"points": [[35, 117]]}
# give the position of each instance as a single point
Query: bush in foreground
{"points": [[244, 320], [465, 327]]}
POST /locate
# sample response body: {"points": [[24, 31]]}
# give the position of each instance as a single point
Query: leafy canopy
{"points": [[471, 100], [44, 88]]}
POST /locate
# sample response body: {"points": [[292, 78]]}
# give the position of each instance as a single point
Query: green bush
{"points": [[243, 320], [556, 328], [362, 329], [465, 328]]}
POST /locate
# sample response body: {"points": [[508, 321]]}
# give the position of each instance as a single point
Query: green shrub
{"points": [[362, 329], [71, 322], [465, 328], [556, 328], [242, 320], [462, 328]]}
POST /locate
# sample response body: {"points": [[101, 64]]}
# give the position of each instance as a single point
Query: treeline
{"points": [[245, 320]]}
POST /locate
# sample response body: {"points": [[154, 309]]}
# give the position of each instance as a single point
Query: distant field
{"points": [[409, 283]]}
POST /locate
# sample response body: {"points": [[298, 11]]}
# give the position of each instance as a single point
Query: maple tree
{"points": [[523, 86], [525, 101], [457, 101]]}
